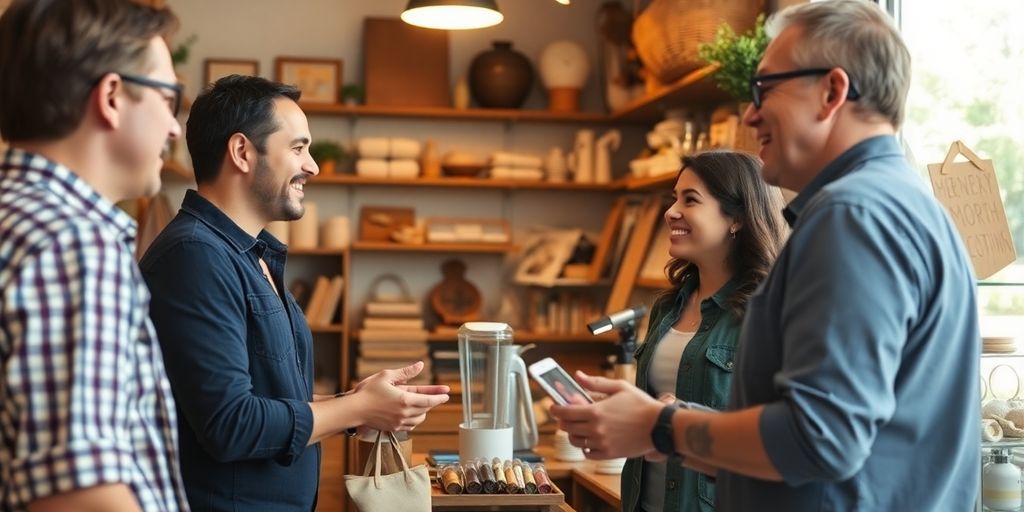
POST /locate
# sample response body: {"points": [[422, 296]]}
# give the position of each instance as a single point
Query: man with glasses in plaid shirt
{"points": [[88, 102]]}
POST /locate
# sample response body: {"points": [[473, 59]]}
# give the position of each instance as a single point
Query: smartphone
{"points": [[553, 379]]}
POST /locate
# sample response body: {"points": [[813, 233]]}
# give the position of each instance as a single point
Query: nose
{"points": [[310, 166], [671, 214], [175, 132], [751, 116]]}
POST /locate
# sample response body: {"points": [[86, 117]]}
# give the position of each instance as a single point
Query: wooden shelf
{"points": [[351, 179], [435, 247], [175, 171], [696, 88], [532, 337], [653, 283], [661, 181], [319, 251], [332, 328], [483, 114]]}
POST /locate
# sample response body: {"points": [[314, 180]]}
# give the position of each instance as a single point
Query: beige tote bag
{"points": [[405, 491]]}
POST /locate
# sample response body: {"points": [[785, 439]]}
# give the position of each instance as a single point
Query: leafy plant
{"points": [[327, 151], [181, 52], [737, 56], [352, 91]]}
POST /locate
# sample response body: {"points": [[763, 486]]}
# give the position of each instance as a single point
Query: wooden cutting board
{"points": [[405, 65]]}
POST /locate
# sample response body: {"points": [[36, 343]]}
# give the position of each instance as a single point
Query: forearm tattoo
{"points": [[698, 439]]}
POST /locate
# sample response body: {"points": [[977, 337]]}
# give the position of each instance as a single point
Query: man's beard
{"points": [[275, 202]]}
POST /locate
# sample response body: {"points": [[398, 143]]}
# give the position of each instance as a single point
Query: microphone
{"points": [[616, 320]]}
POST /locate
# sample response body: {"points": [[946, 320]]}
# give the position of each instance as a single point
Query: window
{"points": [[968, 63]]}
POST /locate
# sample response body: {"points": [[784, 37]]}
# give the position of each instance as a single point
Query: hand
{"points": [[388, 404], [618, 426]]}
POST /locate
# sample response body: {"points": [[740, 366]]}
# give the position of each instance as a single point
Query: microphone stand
{"points": [[625, 367]]}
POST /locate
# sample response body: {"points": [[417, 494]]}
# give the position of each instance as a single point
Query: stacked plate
{"points": [[565, 451], [610, 466], [998, 344]]}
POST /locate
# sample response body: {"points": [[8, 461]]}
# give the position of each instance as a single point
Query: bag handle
{"points": [[403, 288], [958, 148], [374, 458]]}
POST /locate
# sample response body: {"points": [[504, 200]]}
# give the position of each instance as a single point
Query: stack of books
{"points": [[324, 306], [393, 336]]}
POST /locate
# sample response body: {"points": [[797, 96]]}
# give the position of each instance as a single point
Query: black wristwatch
{"points": [[661, 435]]}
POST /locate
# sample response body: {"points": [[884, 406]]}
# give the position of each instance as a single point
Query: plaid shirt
{"points": [[84, 400]]}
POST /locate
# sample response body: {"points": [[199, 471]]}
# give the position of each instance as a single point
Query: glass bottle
{"points": [[1001, 483]]}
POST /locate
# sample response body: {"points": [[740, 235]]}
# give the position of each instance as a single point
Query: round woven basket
{"points": [[667, 32]]}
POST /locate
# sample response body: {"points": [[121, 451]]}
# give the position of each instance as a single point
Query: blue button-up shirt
{"points": [[239, 358], [863, 346]]}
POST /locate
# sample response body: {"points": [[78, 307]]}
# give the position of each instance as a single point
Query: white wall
{"points": [[265, 29]]}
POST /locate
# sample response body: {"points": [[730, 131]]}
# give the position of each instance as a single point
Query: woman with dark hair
{"points": [[726, 229]]}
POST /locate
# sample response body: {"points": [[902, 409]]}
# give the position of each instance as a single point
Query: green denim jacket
{"points": [[705, 375]]}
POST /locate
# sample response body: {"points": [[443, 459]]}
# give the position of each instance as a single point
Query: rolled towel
{"points": [[991, 431], [403, 169], [372, 167], [403, 148], [373, 147], [506, 159], [1009, 429], [508, 173]]}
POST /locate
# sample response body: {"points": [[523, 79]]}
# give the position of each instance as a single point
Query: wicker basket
{"points": [[667, 32]]}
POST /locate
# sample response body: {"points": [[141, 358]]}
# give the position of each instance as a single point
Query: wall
{"points": [[264, 29]]}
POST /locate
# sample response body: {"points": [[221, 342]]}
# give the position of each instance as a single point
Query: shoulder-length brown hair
{"points": [[734, 180]]}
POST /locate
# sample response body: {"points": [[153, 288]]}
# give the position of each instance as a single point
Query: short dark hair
{"points": [[52, 53], [234, 104], [734, 180]]}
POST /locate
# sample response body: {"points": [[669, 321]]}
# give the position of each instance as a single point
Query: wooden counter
{"points": [[585, 489]]}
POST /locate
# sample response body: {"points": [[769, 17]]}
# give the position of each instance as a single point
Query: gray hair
{"points": [[859, 37]]}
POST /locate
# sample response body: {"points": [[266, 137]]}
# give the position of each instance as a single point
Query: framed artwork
{"points": [[214, 69], [545, 254], [318, 79]]}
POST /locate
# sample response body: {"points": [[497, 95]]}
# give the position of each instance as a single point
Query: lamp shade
{"points": [[452, 14]]}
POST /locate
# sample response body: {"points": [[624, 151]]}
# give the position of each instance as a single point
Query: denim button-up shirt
{"points": [[862, 344], [704, 376], [239, 358]]}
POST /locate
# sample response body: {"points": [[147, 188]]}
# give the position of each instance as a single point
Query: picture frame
{"points": [[216, 68], [545, 254], [318, 79]]}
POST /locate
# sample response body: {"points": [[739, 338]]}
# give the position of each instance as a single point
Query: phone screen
{"points": [[561, 383]]}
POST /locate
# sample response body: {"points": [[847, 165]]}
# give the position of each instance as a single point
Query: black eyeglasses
{"points": [[757, 83], [157, 84]]}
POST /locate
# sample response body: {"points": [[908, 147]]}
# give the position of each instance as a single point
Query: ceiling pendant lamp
{"points": [[452, 14]]}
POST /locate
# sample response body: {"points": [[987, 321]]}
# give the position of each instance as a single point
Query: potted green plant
{"points": [[737, 57], [327, 155], [183, 50], [352, 94]]}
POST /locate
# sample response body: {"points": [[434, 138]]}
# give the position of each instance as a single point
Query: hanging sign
{"points": [[970, 192]]}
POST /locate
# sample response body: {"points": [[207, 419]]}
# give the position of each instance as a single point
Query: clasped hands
{"points": [[387, 403]]}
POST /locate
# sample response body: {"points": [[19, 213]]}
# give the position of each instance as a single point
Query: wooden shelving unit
{"points": [[632, 184], [453, 182], [696, 88], [333, 328], [445, 113], [319, 251], [435, 247]]}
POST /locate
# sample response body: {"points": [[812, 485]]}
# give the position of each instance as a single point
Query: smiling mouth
{"points": [[679, 232]]}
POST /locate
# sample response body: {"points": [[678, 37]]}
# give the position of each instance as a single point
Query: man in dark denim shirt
{"points": [[237, 348]]}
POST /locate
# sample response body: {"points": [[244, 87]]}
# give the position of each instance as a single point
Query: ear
{"points": [[241, 153], [835, 96], [108, 100]]}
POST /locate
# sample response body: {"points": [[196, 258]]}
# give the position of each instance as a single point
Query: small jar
{"points": [[1001, 484]]}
